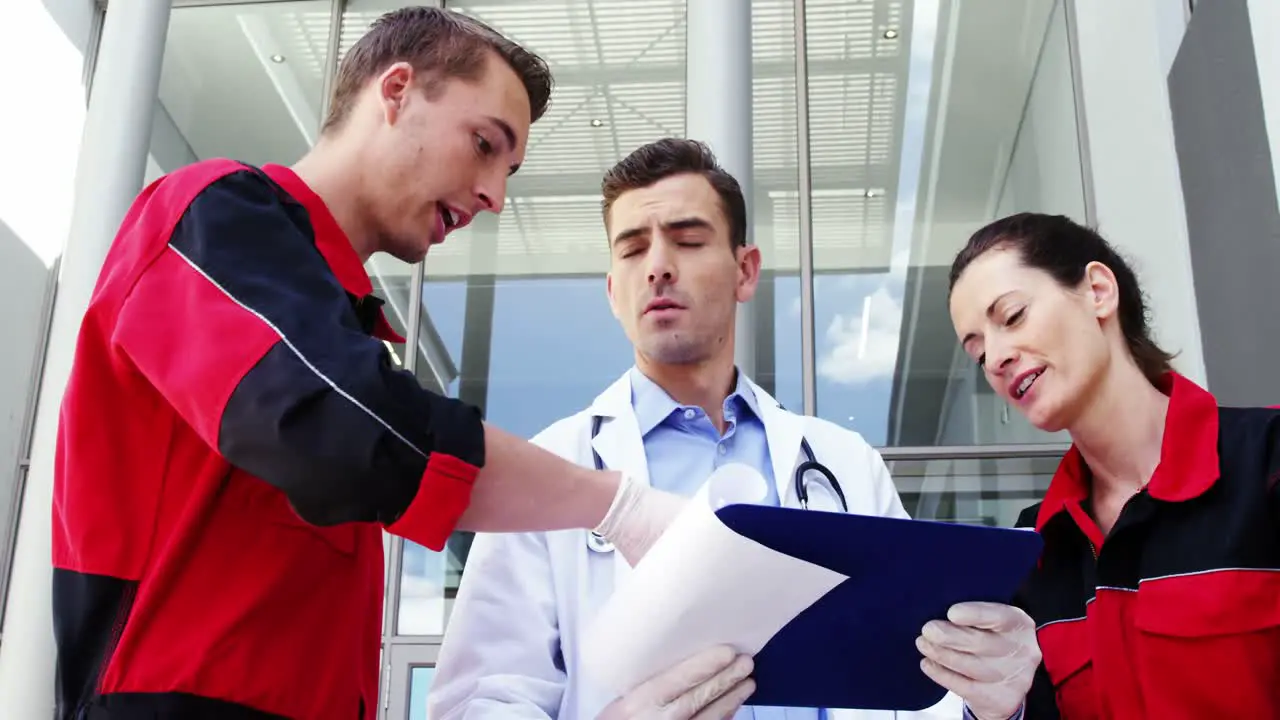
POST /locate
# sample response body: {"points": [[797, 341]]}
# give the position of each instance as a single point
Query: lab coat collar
{"points": [[615, 400], [783, 431], [621, 445]]}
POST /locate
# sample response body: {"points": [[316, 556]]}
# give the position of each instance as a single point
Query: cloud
{"points": [[858, 351]]}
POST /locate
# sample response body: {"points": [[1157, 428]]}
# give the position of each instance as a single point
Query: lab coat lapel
{"points": [[783, 431], [619, 443]]}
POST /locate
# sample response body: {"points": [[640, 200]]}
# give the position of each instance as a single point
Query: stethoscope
{"points": [[597, 543]]}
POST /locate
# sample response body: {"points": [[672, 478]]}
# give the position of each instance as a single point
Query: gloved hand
{"points": [[638, 516], [710, 685], [987, 654]]}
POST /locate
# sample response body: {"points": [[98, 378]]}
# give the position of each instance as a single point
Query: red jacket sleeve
{"points": [[243, 328]]}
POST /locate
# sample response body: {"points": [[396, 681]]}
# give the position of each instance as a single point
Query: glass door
{"points": [[407, 679]]}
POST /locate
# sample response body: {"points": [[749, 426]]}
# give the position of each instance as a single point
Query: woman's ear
{"points": [[1103, 290]]}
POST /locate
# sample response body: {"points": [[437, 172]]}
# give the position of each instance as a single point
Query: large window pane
{"points": [[241, 81], [570, 368], [408, 684], [420, 679], [976, 491], [775, 223], [428, 580], [519, 299], [928, 118]]}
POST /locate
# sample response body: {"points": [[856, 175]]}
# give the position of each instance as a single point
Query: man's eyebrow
{"points": [[510, 135], [688, 223], [630, 234]]}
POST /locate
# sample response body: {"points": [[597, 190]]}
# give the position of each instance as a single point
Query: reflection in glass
{"points": [[422, 591], [429, 580], [982, 491], [556, 346], [518, 300], [775, 175], [390, 280], [420, 679], [910, 155], [241, 81], [619, 72]]}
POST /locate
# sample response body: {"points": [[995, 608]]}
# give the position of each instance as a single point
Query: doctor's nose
{"points": [[662, 268]]}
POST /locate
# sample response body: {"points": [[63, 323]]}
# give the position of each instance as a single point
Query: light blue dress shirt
{"points": [[683, 447]]}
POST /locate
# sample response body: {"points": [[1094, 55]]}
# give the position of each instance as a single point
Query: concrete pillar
{"points": [[718, 112], [1224, 89], [109, 174], [1264, 24], [1133, 168]]}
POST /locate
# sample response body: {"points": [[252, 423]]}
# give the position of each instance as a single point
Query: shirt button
{"points": [[689, 414], [723, 449]]}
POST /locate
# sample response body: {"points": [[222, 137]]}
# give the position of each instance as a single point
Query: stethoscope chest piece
{"points": [[597, 543]]}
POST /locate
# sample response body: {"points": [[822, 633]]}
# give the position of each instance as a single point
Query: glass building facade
{"points": [[918, 130], [880, 133]]}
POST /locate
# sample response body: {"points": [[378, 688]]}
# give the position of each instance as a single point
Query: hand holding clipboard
{"points": [[829, 604]]}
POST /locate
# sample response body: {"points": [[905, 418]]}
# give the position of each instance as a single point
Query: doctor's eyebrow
{"points": [[689, 223]]}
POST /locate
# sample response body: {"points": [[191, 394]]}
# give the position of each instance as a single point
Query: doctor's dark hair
{"points": [[1063, 249], [664, 158], [440, 45]]}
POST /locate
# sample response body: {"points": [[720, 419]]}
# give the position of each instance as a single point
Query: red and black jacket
{"points": [[234, 438], [1177, 614]]}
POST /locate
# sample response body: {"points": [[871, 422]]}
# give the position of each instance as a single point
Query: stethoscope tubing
{"points": [[597, 542]]}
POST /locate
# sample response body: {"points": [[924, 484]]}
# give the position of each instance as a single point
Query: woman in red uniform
{"points": [[1158, 593]]}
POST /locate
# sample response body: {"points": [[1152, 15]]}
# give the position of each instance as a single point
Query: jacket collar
{"points": [[1188, 454], [335, 246]]}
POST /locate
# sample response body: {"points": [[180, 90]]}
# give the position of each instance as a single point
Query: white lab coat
{"points": [[511, 647]]}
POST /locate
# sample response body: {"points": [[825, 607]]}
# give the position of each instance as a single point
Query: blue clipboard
{"points": [[855, 647]]}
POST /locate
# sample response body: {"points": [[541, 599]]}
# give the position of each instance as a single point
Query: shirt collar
{"points": [[653, 405], [1188, 454], [335, 246]]}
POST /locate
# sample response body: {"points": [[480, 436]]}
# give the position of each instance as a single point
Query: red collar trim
{"points": [[1188, 455], [333, 244]]}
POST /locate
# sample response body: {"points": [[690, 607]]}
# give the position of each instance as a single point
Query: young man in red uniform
{"points": [[234, 438]]}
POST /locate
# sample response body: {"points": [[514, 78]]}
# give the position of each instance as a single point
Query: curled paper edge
{"points": [[700, 585]]}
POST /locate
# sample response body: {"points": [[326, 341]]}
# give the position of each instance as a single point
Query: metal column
{"points": [[808, 348], [718, 112], [109, 174]]}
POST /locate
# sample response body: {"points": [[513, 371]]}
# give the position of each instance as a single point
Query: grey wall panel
{"points": [[1232, 217]]}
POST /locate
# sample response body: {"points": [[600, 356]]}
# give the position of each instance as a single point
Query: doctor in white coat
{"points": [[680, 265]]}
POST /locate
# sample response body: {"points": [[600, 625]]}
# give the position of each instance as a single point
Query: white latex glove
{"points": [[638, 517], [987, 654], [710, 685]]}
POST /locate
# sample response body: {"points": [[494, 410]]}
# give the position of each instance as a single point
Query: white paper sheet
{"points": [[700, 585]]}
